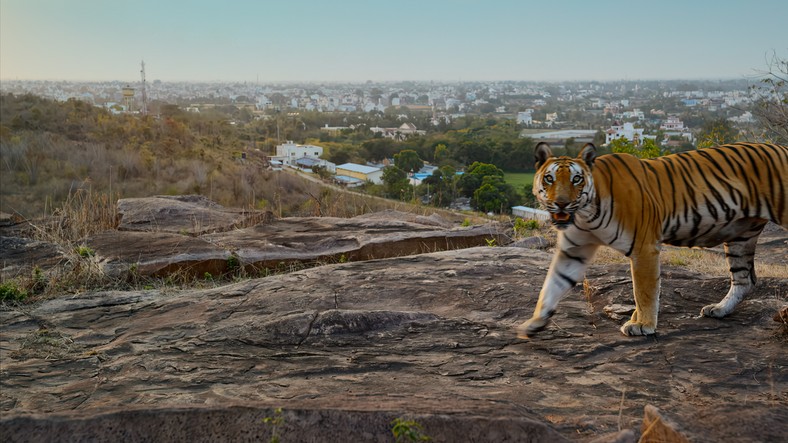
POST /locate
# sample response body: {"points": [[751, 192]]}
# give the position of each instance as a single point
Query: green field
{"points": [[519, 179]]}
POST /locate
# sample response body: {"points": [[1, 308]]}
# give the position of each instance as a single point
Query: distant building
{"points": [[524, 118], [334, 130], [404, 131], [627, 130], [635, 113], [308, 164], [673, 123], [527, 213], [354, 174], [289, 152], [263, 102], [559, 138], [744, 118]]}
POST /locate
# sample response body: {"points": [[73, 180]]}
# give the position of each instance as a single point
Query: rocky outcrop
{"points": [[19, 256], [346, 348], [274, 244], [182, 214]]}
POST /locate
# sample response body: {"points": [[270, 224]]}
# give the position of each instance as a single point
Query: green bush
{"points": [[521, 227], [11, 292]]}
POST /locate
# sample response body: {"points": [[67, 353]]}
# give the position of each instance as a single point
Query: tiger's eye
{"points": [[577, 179], [548, 179]]}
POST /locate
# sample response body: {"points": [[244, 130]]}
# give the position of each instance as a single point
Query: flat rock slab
{"points": [[311, 240], [124, 253], [182, 214], [282, 244], [346, 348], [19, 256]]}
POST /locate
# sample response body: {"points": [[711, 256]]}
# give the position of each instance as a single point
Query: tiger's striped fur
{"points": [[725, 194]]}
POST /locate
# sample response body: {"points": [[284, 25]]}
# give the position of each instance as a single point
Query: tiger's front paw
{"points": [[714, 311], [531, 327], [631, 328]]}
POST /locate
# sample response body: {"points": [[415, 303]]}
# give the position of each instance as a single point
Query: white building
{"points": [[289, 152], [524, 118], [673, 123], [527, 213], [404, 131], [627, 130], [263, 102]]}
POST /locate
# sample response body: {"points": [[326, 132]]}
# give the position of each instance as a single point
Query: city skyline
{"points": [[356, 41]]}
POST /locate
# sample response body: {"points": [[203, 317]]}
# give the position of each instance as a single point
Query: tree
{"points": [[474, 176], [441, 153], [441, 185], [379, 148], [647, 149], [339, 155], [717, 132], [771, 106], [408, 160], [395, 183], [494, 195]]}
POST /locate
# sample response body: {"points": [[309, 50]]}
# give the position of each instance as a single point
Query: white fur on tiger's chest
{"points": [[614, 236]]}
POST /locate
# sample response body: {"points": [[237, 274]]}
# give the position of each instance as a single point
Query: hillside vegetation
{"points": [[53, 150]]}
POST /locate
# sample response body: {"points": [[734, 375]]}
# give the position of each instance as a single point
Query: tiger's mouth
{"points": [[561, 220]]}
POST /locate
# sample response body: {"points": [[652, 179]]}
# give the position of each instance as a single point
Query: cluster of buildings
{"points": [[307, 157], [531, 104]]}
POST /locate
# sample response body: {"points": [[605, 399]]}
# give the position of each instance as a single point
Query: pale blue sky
{"points": [[358, 40]]}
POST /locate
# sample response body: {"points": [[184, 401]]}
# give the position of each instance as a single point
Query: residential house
{"points": [[627, 130], [289, 152], [524, 118], [264, 102], [308, 163], [673, 123], [404, 131]]}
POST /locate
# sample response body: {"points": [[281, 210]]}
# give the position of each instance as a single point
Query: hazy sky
{"points": [[358, 40]]}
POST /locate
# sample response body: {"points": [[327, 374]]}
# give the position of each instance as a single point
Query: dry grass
{"points": [[702, 261]]}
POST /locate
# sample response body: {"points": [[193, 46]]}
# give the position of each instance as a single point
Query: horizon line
{"points": [[577, 80]]}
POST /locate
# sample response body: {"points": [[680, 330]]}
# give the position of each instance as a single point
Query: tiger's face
{"points": [[563, 185]]}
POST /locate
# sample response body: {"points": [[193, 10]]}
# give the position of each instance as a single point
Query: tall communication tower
{"points": [[144, 110]]}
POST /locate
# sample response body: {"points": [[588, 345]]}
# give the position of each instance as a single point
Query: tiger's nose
{"points": [[562, 204]]}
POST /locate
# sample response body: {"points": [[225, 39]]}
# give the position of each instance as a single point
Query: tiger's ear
{"points": [[542, 152], [588, 154]]}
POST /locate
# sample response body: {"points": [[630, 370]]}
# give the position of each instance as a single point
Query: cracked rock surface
{"points": [[344, 349]]}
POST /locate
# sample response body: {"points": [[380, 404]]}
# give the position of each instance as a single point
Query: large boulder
{"points": [[344, 349]]}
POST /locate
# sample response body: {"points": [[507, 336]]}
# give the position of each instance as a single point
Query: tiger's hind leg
{"points": [[740, 254]]}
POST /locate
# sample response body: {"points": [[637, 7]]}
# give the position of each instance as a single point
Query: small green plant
{"points": [[343, 258], [491, 242], [408, 431], [10, 291], [521, 227], [85, 251], [39, 281], [275, 422], [207, 276], [233, 263], [466, 223]]}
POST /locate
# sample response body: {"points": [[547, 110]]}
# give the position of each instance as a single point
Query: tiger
{"points": [[701, 198]]}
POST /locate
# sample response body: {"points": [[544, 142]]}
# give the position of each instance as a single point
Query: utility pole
{"points": [[144, 110]]}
